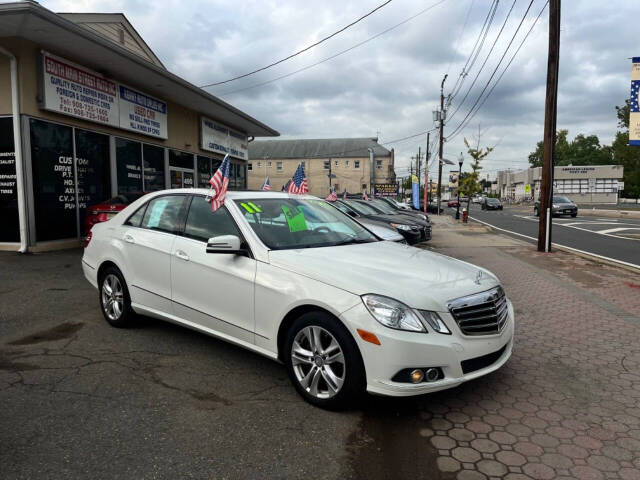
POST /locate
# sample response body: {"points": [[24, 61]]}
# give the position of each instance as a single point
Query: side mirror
{"points": [[224, 244]]}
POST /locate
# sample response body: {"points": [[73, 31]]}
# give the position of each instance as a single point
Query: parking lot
{"points": [[84, 400]]}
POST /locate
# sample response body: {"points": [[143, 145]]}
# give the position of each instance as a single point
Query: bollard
{"points": [[464, 215]]}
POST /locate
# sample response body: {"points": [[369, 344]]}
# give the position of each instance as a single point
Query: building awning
{"points": [[35, 23]]}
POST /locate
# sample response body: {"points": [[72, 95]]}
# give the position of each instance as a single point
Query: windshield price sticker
{"points": [[295, 219]]}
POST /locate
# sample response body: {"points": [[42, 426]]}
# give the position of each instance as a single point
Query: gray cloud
{"points": [[392, 83]]}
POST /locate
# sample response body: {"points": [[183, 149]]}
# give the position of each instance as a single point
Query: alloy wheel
{"points": [[318, 362], [112, 297]]}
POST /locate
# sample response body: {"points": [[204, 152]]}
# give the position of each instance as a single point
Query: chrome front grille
{"points": [[482, 313]]}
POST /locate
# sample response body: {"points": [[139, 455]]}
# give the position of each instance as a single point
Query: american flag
{"points": [[285, 187], [365, 196], [219, 183], [266, 185], [298, 183], [332, 197]]}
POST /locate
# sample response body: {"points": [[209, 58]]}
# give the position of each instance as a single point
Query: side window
{"points": [[135, 219], [202, 223], [163, 213]]}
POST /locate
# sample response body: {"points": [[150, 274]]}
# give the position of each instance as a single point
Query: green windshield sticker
{"points": [[295, 219], [255, 207], [247, 208]]}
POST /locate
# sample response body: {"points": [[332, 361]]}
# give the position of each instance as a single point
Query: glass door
{"points": [[181, 178]]}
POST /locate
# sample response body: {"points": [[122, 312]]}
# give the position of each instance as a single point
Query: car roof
{"points": [[235, 194]]}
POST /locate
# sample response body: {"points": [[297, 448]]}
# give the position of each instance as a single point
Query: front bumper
{"points": [[564, 211], [399, 350]]}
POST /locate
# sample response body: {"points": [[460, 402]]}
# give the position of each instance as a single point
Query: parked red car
{"points": [[452, 203], [104, 211]]}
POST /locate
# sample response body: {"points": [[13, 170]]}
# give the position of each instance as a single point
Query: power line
{"points": [[485, 60], [460, 126], [464, 25], [474, 53], [335, 55], [300, 51]]}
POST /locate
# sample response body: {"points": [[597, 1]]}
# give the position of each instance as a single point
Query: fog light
{"points": [[417, 376], [432, 374]]}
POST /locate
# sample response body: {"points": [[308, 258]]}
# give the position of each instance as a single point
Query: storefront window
{"points": [[204, 171], [128, 165], [92, 167], [9, 228], [53, 181], [153, 168], [180, 159]]}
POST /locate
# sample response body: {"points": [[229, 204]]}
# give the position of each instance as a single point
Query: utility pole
{"points": [[419, 166], [426, 176], [441, 141], [551, 111]]}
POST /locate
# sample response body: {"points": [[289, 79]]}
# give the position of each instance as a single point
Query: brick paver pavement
{"points": [[567, 404]]}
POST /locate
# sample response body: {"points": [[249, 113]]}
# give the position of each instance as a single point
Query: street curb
{"points": [[581, 253], [590, 212]]}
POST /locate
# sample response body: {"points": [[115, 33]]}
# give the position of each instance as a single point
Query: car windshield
{"points": [[492, 200], [290, 223], [361, 207], [560, 199], [383, 206]]}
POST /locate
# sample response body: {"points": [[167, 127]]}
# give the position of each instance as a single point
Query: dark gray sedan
{"points": [[561, 205]]}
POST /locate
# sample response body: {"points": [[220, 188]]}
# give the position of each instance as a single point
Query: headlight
{"points": [[434, 321], [401, 226], [554, 205], [393, 314]]}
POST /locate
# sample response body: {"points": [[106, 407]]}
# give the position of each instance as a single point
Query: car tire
{"points": [[335, 384], [536, 212], [115, 302]]}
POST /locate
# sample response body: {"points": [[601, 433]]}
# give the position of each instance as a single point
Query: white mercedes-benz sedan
{"points": [[294, 279]]}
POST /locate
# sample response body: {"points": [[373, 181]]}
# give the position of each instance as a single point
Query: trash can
{"points": [[464, 215]]}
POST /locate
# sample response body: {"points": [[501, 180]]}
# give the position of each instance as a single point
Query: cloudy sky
{"points": [[388, 86]]}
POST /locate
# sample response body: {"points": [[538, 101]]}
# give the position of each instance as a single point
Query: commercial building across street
{"points": [[583, 184], [87, 112], [354, 163]]}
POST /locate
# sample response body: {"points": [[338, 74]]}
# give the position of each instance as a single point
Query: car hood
{"points": [[419, 278], [400, 218]]}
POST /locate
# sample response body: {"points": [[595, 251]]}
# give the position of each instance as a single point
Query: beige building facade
{"points": [[88, 112], [583, 184], [354, 163]]}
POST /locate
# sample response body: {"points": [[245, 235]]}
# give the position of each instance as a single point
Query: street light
{"points": [[460, 160], [443, 161]]}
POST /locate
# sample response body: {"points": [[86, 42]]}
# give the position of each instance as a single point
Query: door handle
{"points": [[181, 255], [128, 238]]}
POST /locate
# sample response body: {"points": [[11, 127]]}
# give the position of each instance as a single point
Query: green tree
{"points": [[470, 184], [559, 155], [626, 155]]}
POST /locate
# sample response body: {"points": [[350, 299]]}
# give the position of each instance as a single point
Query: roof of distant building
{"points": [[317, 148]]}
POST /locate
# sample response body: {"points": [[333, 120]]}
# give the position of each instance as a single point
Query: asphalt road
{"points": [[614, 238]]}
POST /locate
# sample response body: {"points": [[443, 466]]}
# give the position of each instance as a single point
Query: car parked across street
{"points": [[296, 280], [108, 209], [560, 205], [489, 203], [453, 203]]}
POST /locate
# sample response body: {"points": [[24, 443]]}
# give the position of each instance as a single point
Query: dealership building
{"points": [[355, 164], [88, 112], [582, 184]]}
